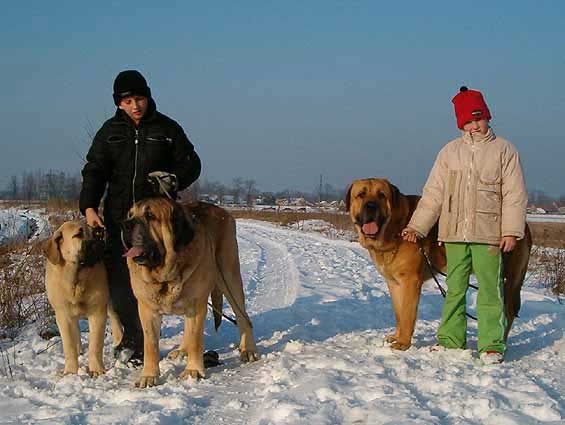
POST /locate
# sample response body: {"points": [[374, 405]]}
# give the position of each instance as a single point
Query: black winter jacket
{"points": [[121, 157]]}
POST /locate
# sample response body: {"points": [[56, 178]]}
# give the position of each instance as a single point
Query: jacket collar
{"points": [[478, 139]]}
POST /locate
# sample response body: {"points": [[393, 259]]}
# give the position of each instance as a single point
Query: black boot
{"points": [[129, 352]]}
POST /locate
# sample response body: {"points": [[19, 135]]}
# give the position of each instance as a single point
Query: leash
{"points": [[433, 270], [223, 315]]}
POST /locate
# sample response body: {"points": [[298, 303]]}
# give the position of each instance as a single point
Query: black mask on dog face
{"points": [[92, 247]]}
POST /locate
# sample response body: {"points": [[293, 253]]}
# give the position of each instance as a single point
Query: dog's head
{"points": [[74, 242], [371, 204], [154, 229]]}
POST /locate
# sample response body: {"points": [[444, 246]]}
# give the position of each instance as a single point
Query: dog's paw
{"points": [[389, 339], [70, 370], [147, 381], [248, 356], [177, 354], [397, 345], [95, 373], [192, 374]]}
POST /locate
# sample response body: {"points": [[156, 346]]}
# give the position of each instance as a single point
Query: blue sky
{"points": [[285, 91]]}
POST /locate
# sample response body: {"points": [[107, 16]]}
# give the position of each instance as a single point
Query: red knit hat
{"points": [[470, 106]]}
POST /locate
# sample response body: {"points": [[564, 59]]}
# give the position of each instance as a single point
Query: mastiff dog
{"points": [[179, 255], [77, 286], [379, 212]]}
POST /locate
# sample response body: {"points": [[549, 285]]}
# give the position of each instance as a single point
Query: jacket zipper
{"points": [[135, 164], [468, 188]]}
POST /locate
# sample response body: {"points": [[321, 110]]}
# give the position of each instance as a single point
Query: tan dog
{"points": [[77, 286], [178, 256], [379, 212]]}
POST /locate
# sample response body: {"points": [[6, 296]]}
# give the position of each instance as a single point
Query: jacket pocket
{"points": [[488, 197], [116, 139], [487, 225], [116, 147], [159, 149], [488, 210], [450, 209]]}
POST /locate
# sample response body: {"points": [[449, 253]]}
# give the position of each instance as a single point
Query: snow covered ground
{"points": [[18, 223], [546, 218], [320, 311]]}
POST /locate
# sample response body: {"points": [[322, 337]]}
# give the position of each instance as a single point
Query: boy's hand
{"points": [[508, 243], [163, 183], [92, 218], [409, 235]]}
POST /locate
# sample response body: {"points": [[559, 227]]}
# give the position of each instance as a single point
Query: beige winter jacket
{"points": [[476, 188]]}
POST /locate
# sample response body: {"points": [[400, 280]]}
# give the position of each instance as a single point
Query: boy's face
{"points": [[478, 126], [134, 106]]}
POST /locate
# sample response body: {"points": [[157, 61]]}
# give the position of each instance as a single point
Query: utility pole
{"points": [[320, 190]]}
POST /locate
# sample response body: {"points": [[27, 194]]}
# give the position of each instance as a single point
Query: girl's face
{"points": [[478, 126], [135, 107]]}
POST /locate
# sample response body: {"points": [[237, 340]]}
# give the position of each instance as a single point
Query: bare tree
{"points": [[250, 191], [28, 186], [13, 188], [221, 192], [237, 189]]}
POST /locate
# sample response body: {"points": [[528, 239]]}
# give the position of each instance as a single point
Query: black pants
{"points": [[123, 301]]}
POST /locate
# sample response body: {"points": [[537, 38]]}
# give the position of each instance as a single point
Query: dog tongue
{"points": [[370, 228], [134, 251]]}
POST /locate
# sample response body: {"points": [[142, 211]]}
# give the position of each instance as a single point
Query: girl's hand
{"points": [[92, 218], [508, 243], [409, 235]]}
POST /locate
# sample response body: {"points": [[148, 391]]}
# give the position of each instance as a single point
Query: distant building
{"points": [[228, 199], [300, 202]]}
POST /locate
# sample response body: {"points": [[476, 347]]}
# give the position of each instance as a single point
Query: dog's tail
{"points": [[515, 268], [217, 304]]}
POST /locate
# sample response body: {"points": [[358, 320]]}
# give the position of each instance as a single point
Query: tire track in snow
{"points": [[336, 287], [275, 281]]}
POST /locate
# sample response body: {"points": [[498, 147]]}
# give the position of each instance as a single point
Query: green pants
{"points": [[485, 261]]}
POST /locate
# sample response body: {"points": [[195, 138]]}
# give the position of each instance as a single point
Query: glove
{"points": [[163, 183]]}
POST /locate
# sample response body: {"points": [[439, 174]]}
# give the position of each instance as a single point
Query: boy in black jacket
{"points": [[135, 142]]}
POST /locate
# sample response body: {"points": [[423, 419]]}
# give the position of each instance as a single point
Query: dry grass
{"points": [[548, 256], [60, 206], [22, 269], [549, 268], [551, 235], [53, 205], [22, 288]]}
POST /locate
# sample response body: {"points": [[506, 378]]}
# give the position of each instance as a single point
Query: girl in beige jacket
{"points": [[476, 189]]}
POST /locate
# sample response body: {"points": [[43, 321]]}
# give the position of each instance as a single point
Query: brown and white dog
{"points": [[77, 287], [379, 212], [179, 255]]}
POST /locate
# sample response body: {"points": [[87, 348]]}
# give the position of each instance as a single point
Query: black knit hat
{"points": [[130, 83]]}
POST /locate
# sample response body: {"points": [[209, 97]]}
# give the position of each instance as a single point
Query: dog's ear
{"points": [[52, 249], [348, 198], [182, 228], [395, 195]]}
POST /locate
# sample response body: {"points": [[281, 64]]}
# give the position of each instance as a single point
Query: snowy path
{"points": [[320, 311]]}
